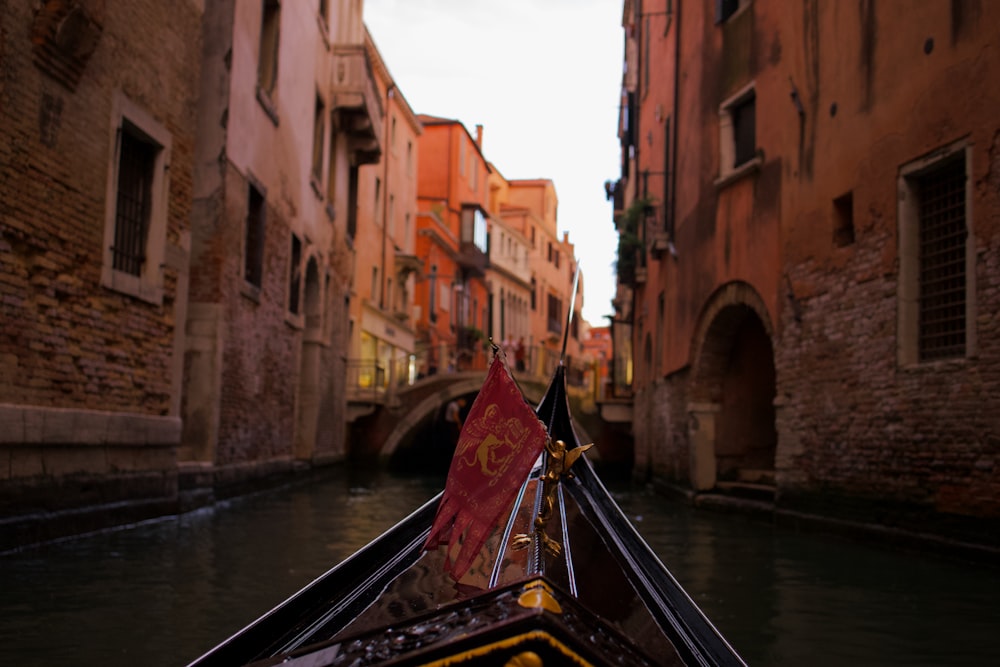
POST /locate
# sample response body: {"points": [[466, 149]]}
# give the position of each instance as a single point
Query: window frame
{"points": [[908, 285], [728, 169], [127, 116], [268, 61], [255, 229]]}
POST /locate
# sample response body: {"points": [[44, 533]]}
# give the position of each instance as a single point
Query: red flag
{"points": [[500, 441]]}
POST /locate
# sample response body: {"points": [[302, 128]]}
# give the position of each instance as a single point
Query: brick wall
{"points": [[67, 341]]}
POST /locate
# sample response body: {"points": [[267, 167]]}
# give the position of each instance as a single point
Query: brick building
{"points": [[811, 197], [97, 109], [288, 113]]}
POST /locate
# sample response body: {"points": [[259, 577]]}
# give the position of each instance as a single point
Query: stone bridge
{"points": [[411, 418]]}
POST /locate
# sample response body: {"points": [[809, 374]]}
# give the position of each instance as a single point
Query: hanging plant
{"points": [[629, 239]]}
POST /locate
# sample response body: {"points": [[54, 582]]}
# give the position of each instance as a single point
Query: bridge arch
{"points": [[425, 409], [413, 418]]}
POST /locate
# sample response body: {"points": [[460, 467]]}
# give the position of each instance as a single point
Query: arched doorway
{"points": [[309, 365], [731, 413]]}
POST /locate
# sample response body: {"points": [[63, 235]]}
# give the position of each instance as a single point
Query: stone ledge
{"points": [[33, 425]]}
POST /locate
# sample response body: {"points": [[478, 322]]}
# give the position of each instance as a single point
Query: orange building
{"points": [[531, 208], [452, 242], [382, 334], [508, 278], [808, 213]]}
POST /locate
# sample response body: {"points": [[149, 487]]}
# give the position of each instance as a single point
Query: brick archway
{"points": [[731, 425]]}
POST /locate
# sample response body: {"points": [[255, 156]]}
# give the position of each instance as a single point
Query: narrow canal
{"points": [[164, 592]]}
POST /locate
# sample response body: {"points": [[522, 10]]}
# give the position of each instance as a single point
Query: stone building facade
{"points": [[97, 106], [289, 112], [382, 338], [178, 224], [812, 195]]}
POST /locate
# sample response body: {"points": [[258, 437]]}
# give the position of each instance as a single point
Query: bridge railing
{"points": [[375, 380], [367, 381]]}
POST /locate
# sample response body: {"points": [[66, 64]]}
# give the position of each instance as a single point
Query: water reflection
{"points": [[787, 598], [164, 592]]}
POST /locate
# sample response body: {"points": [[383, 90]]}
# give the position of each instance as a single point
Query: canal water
{"points": [[164, 592]]}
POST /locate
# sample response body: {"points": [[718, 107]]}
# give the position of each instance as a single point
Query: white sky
{"points": [[542, 77]]}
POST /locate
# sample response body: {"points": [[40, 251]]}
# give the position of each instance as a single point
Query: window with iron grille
{"points": [[137, 159], [136, 214], [942, 269], [253, 261]]}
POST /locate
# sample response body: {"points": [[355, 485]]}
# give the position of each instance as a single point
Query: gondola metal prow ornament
{"points": [[560, 461]]}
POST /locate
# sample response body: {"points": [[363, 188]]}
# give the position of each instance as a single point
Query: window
{"points": [[843, 213], [375, 202], [136, 161], [295, 276], [737, 133], [352, 202], [318, 141], [253, 260], [390, 222], [744, 117], [135, 224], [331, 176], [936, 289], [267, 64], [554, 314], [432, 289], [726, 8], [474, 228], [534, 290]]}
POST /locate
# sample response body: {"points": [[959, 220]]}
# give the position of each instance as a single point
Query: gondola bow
{"points": [[499, 442]]}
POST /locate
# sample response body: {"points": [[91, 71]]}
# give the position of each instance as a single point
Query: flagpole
{"points": [[569, 315]]}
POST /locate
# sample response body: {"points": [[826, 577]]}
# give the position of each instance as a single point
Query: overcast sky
{"points": [[542, 77]]}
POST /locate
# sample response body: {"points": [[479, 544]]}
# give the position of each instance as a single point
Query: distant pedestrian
{"points": [[519, 354], [453, 419]]}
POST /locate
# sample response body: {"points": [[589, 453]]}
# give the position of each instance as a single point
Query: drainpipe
{"points": [[390, 393], [673, 125], [385, 197]]}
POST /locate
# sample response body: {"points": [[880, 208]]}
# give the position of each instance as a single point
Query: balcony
{"points": [[473, 247], [355, 101], [471, 258]]}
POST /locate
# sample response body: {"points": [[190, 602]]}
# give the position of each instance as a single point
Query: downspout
{"points": [[385, 198], [673, 125]]}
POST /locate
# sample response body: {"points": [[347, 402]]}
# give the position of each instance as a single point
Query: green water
{"points": [[164, 592]]}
